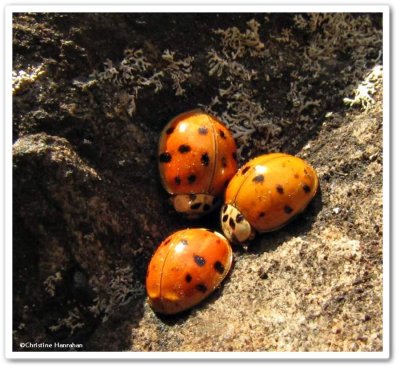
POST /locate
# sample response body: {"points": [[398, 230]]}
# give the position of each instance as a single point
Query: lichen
{"points": [[178, 70], [51, 282], [238, 107], [331, 37], [237, 44], [132, 75], [72, 322], [364, 91], [120, 291], [23, 79], [135, 73], [308, 65]]}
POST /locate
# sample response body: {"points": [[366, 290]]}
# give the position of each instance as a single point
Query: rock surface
{"points": [[91, 94]]}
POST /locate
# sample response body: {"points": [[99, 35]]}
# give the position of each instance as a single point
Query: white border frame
{"points": [[183, 8]]}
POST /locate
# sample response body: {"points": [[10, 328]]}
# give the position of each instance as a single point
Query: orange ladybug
{"points": [[186, 268], [265, 194], [197, 158]]}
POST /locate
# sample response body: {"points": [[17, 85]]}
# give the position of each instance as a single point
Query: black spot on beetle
{"points": [[306, 188], [205, 159], [169, 130], [287, 209], [231, 223], [192, 178], [201, 287], [224, 208], [183, 149], [165, 157], [188, 278], [195, 206], [219, 267], [261, 215], [258, 179], [239, 218], [200, 261], [296, 176], [245, 169], [225, 218], [206, 207], [203, 130], [222, 134], [177, 180], [279, 189], [224, 162]]}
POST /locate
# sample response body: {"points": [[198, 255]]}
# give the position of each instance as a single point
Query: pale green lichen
{"points": [[135, 73], [218, 64], [332, 34], [131, 75], [178, 70], [366, 89], [72, 322], [51, 282], [236, 101], [237, 44], [23, 79], [120, 291]]}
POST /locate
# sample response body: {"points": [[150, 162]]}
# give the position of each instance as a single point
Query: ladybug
{"points": [[197, 158], [265, 194], [186, 268]]}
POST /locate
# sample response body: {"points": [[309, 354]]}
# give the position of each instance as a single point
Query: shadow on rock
{"points": [[69, 248]]}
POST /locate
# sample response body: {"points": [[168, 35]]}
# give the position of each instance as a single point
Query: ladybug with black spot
{"points": [[187, 267], [197, 158], [265, 194]]}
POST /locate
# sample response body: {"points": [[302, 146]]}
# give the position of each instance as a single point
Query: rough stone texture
{"points": [[91, 94]]}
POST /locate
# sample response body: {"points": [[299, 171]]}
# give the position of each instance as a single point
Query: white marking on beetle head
{"points": [[235, 226]]}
